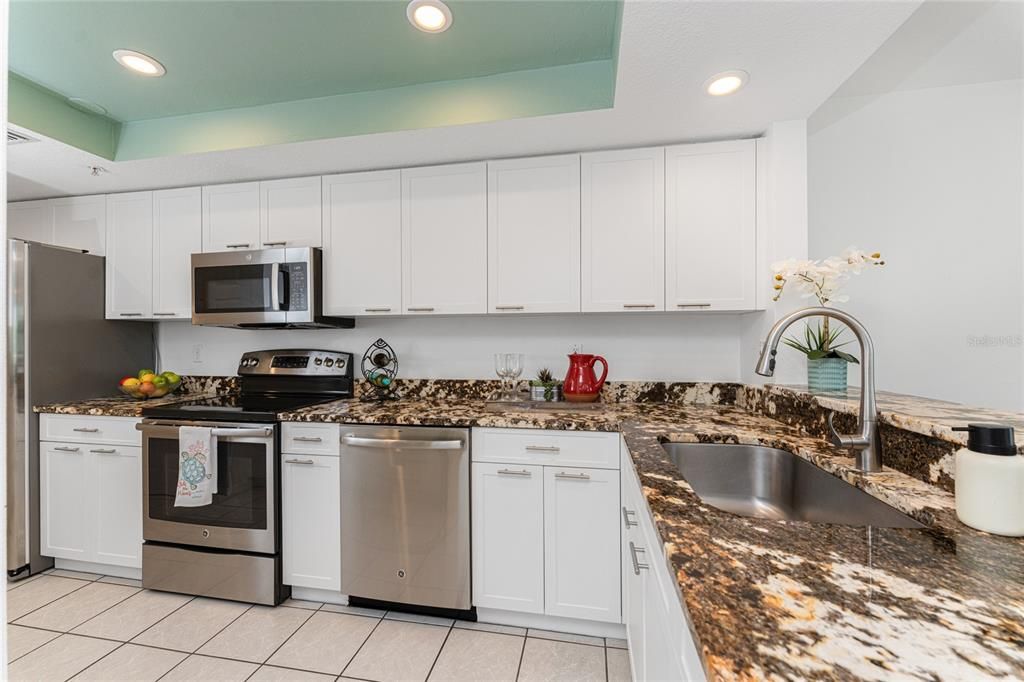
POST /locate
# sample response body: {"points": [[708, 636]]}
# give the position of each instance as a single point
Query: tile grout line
{"points": [[160, 620], [438, 654], [14, 622], [94, 662], [137, 592], [121, 601], [34, 648], [193, 652], [356, 654], [286, 639], [522, 655]]}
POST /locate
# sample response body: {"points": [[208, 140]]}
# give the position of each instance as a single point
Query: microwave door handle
{"points": [[275, 286]]}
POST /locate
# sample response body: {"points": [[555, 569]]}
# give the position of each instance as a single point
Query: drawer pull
{"points": [[164, 314], [575, 477], [543, 448], [633, 549], [85, 429], [236, 246], [627, 517], [308, 439], [693, 305], [273, 243], [377, 310], [104, 451], [637, 306], [510, 472], [131, 314], [298, 461], [421, 310], [509, 307], [63, 448]]}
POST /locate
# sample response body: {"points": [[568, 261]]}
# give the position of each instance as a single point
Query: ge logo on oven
{"points": [[206, 532]]}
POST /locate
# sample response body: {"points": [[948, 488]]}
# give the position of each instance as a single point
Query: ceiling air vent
{"points": [[17, 138]]}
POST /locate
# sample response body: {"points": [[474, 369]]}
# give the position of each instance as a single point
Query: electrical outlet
{"points": [[197, 353]]}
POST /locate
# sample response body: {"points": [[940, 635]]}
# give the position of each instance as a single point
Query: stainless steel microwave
{"points": [[265, 289]]}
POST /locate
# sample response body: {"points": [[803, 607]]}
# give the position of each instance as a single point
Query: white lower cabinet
{"points": [[508, 536], [545, 537], [581, 543], [311, 520], [91, 502]]}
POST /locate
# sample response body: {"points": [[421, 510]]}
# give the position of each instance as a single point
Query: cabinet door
{"points": [[177, 234], [508, 537], [623, 230], [710, 226], [31, 220], [231, 217], [533, 235], [362, 219], [581, 544], [117, 498], [290, 213], [129, 255], [444, 239], [66, 501], [311, 521], [80, 223]]}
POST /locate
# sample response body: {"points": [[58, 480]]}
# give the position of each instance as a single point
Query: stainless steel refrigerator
{"points": [[59, 347]]}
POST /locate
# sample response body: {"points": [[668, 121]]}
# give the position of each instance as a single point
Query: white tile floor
{"points": [[67, 625]]}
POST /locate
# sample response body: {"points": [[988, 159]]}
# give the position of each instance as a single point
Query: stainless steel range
{"points": [[231, 547]]}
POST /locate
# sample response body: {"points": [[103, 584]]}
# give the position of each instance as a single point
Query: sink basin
{"points": [[766, 483]]}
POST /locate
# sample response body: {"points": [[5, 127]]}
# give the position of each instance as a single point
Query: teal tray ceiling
{"points": [[243, 74]]}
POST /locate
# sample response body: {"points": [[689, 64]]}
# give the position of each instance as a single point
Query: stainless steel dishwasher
{"points": [[405, 515]]}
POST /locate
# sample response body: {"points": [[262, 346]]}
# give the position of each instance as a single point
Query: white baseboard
{"points": [[315, 594], [574, 626], [102, 569]]}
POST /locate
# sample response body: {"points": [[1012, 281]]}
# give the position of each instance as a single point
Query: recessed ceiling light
{"points": [[141, 64], [726, 83], [88, 106], [429, 16]]}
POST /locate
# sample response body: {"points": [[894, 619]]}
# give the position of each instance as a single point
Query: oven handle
{"points": [[357, 441], [223, 432], [275, 286]]}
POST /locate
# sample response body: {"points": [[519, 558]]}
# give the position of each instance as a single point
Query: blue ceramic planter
{"points": [[827, 374]]}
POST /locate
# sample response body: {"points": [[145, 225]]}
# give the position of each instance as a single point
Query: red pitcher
{"points": [[581, 386]]}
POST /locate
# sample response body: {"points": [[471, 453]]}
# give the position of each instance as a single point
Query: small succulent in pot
{"points": [[545, 387]]}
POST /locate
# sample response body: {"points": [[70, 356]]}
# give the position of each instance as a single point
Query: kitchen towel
{"points": [[197, 466]]}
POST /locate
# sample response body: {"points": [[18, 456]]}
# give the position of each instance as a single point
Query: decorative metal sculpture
{"points": [[380, 368]]}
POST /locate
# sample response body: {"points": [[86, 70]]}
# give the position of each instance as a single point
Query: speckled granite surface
{"points": [[120, 405]]}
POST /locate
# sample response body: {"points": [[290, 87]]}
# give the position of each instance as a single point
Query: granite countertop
{"points": [[771, 599], [113, 406]]}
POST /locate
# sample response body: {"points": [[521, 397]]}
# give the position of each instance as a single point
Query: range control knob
{"points": [[318, 361], [329, 362]]}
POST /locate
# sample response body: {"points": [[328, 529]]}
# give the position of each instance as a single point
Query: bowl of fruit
{"points": [[149, 384]]}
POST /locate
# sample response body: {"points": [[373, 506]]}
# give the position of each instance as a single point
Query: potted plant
{"points": [[826, 364], [545, 387]]}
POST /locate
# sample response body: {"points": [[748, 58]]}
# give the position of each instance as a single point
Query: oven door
{"points": [[252, 288], [243, 514]]}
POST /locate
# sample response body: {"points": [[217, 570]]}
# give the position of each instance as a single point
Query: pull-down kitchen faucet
{"points": [[867, 444]]}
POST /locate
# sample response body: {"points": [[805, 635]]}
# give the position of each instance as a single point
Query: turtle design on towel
{"points": [[193, 467]]}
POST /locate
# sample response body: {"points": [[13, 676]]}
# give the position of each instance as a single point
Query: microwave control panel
{"points": [[297, 277]]}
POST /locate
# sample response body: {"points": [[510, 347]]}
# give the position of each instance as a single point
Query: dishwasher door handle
{"points": [[388, 443]]}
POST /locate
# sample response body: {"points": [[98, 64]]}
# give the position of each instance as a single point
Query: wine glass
{"points": [[501, 369], [514, 365]]}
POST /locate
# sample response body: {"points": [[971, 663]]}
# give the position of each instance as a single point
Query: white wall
{"points": [[665, 346], [932, 178]]}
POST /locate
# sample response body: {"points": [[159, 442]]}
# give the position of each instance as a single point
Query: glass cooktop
{"points": [[259, 407]]}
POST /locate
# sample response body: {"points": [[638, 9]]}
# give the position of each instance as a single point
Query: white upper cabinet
{"points": [[231, 217], [290, 213], [80, 223], [444, 239], [129, 255], [177, 234], [533, 235], [31, 220], [710, 226], [623, 230], [362, 228]]}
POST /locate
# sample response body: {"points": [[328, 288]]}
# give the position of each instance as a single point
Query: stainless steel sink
{"points": [[750, 480]]}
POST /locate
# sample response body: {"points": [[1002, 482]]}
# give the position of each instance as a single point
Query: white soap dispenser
{"points": [[990, 480]]}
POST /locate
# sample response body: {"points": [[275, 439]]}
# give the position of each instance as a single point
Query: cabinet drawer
{"points": [[599, 450], [311, 439], [89, 429]]}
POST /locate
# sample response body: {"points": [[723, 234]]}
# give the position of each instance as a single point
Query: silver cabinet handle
{"points": [[236, 246], [511, 472], [275, 291], [357, 441], [420, 310], [63, 448], [633, 550], [85, 429], [509, 307], [543, 448], [273, 243], [693, 305], [377, 310], [626, 514], [164, 314], [130, 314], [308, 439], [225, 432], [298, 461], [632, 306], [104, 451], [575, 477]]}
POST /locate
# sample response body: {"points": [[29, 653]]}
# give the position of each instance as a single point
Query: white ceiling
{"points": [[797, 54]]}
